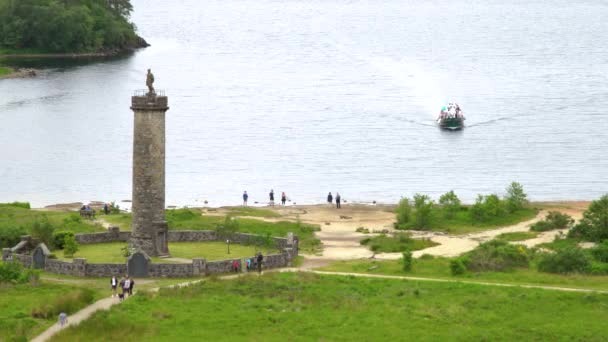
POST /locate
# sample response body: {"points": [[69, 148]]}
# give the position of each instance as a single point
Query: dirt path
{"points": [[75, 319]]}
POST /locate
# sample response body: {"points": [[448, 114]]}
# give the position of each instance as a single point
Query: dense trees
{"points": [[67, 25]]}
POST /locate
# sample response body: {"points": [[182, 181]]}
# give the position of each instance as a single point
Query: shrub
{"points": [[516, 197], [70, 246], [362, 230], [565, 260], [68, 303], [10, 235], [600, 252], [114, 208], [404, 211], [424, 210], [407, 261], [553, 220], [450, 203], [597, 268], [229, 227], [486, 208], [458, 266], [42, 230], [497, 255], [59, 238], [24, 205], [594, 224], [13, 272]]}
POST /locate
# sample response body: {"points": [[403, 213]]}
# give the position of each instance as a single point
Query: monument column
{"points": [[149, 228]]}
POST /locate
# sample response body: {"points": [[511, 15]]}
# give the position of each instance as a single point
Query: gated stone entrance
{"points": [[38, 258], [137, 266]]}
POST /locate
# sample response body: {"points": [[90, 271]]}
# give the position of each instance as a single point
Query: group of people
{"points": [[251, 264], [330, 199], [452, 110], [125, 284]]}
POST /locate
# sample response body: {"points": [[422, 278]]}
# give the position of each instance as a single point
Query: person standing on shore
{"points": [[271, 195], [106, 209], [245, 198], [330, 199], [283, 198], [338, 199]]}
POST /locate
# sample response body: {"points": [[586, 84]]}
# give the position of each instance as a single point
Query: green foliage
{"points": [[126, 251], [59, 238], [5, 71], [553, 220], [228, 228], [594, 224], [43, 230], [486, 208], [13, 272], [516, 197], [404, 211], [458, 266], [254, 212], [450, 203], [362, 230], [66, 26], [114, 209], [407, 261], [496, 255], [24, 205], [565, 260], [600, 252], [70, 246], [68, 303], [398, 242], [424, 210], [517, 236], [10, 235]]}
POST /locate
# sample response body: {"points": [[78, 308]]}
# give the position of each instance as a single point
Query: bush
{"points": [[404, 211], [24, 205], [424, 210], [13, 272], [458, 266], [565, 260], [229, 227], [497, 255], [69, 303], [42, 230], [516, 197], [486, 208], [598, 268], [600, 252], [70, 246], [114, 208], [450, 203], [59, 238], [362, 230], [10, 235], [553, 220], [594, 224], [407, 261]]}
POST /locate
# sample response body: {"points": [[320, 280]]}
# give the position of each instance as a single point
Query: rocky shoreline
{"points": [[22, 73]]}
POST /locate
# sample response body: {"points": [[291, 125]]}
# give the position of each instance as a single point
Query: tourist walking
{"points": [[271, 195], [283, 198], [126, 286], [131, 285], [63, 319], [260, 259], [245, 198], [114, 283], [338, 199], [330, 199], [106, 209]]}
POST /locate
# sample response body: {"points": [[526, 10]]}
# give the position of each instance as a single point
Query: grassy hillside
{"points": [[307, 307]]}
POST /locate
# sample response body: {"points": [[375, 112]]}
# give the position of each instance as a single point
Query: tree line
{"points": [[67, 25]]}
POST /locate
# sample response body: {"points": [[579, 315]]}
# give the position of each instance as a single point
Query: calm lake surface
{"points": [[308, 97]]}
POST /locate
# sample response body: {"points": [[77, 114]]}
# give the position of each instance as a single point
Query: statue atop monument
{"points": [[150, 82]]}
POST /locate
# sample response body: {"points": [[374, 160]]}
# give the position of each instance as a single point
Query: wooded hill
{"points": [[62, 26]]}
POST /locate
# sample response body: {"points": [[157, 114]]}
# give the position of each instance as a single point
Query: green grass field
{"points": [[308, 307], [17, 303], [191, 219], [212, 250], [398, 243], [251, 211], [517, 236], [440, 268], [61, 220]]}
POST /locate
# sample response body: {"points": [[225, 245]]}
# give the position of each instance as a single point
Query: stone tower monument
{"points": [[149, 228]]}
